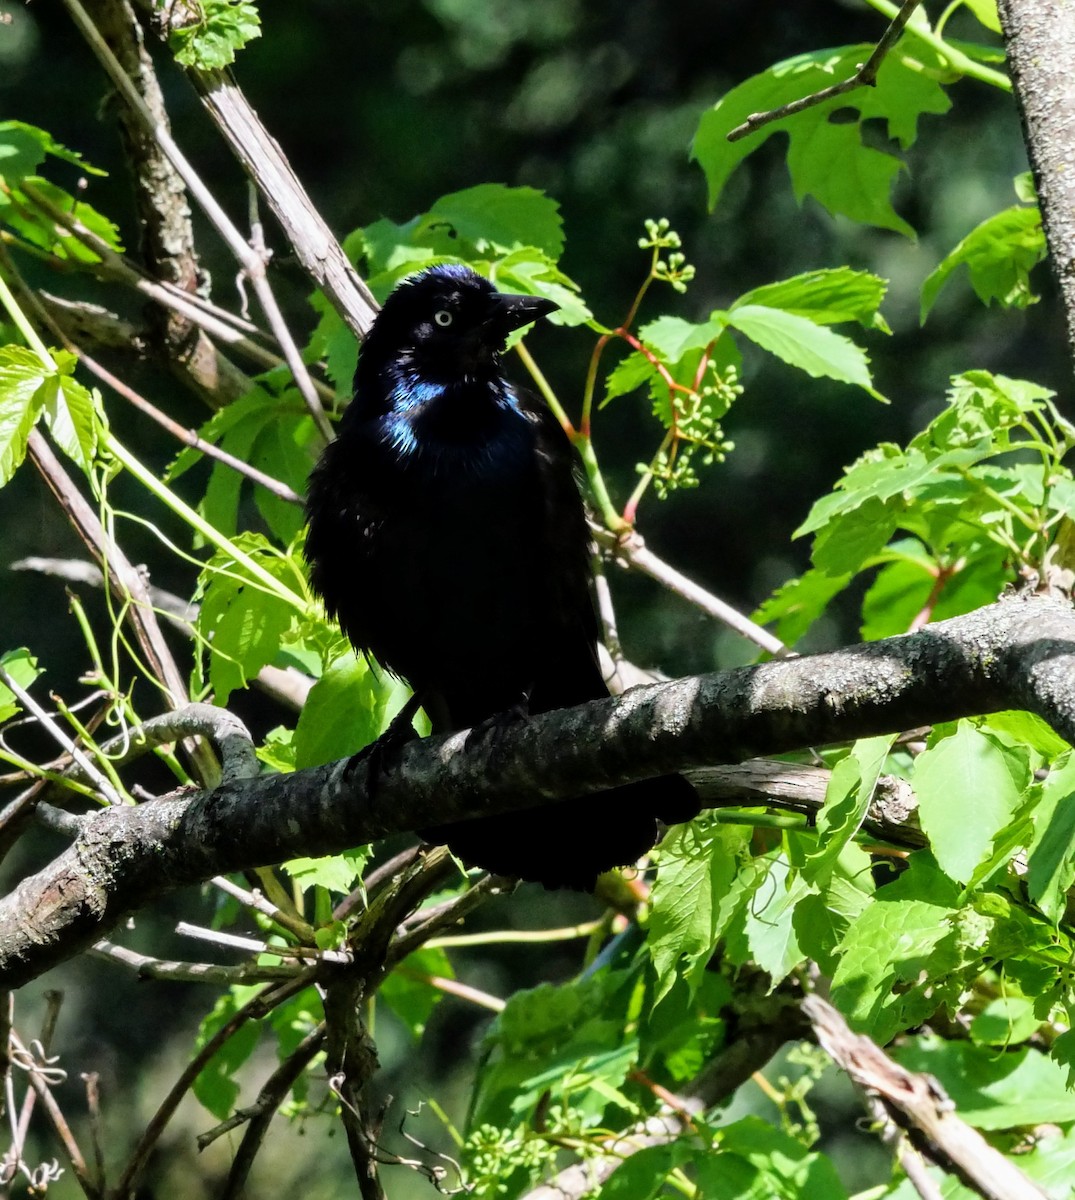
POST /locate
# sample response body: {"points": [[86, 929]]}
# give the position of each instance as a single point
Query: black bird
{"points": [[448, 537]]}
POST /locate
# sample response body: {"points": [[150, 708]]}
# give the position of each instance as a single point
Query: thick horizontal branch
{"points": [[1019, 653]]}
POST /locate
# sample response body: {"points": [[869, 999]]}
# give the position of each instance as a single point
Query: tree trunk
{"points": [[1040, 39]]}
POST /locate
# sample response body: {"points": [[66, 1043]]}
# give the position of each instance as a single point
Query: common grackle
{"points": [[448, 537]]}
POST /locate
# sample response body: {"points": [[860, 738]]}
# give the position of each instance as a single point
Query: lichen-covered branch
{"points": [[1018, 653]]}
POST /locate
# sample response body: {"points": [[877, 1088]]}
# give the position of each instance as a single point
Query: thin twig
{"points": [[504, 937], [453, 987], [632, 550], [351, 1061], [234, 941], [16, 813], [181, 613], [93, 1105], [396, 865], [21, 1124], [267, 999], [100, 782], [129, 586], [185, 972], [189, 437], [251, 261], [261, 1112], [261, 157], [259, 902], [288, 685], [865, 76], [909, 1159], [224, 326], [36, 1073], [447, 915]]}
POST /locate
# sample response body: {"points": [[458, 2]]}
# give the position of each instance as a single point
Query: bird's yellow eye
{"points": [[443, 318]]}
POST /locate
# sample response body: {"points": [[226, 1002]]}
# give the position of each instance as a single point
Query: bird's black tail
{"points": [[568, 844]]}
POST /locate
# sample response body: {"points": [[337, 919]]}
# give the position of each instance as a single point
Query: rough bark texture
{"points": [[918, 1104], [1019, 653], [1040, 38], [167, 236]]}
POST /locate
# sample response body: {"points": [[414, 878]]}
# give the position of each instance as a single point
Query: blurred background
{"points": [[382, 108]]}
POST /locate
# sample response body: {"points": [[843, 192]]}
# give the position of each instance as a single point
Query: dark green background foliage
{"points": [[880, 248]]}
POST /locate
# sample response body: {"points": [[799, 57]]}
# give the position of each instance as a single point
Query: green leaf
{"points": [[1051, 853], [73, 415], [627, 376], [211, 42], [682, 1033], [992, 1090], [493, 217], [271, 431], [695, 895], [786, 1168], [1051, 1161], [285, 449], [823, 919], [1023, 184], [22, 400], [336, 872], [277, 751], [966, 795], [804, 344], [847, 800], [885, 473], [986, 12], [981, 407], [729, 1177], [845, 544], [334, 342], [411, 998], [22, 667], [642, 1176], [39, 228], [670, 338], [23, 149], [1005, 1021], [241, 622], [569, 1038], [1027, 729], [899, 592], [215, 1085], [890, 956], [830, 161], [999, 255], [347, 709], [768, 921], [798, 604], [826, 297], [534, 273]]}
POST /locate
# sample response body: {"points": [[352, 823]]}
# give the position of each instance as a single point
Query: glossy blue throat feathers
{"points": [[430, 382]]}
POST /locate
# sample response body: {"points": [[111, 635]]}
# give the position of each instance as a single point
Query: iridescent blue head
{"points": [[446, 323]]}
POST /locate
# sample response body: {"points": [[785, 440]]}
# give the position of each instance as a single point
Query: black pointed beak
{"points": [[507, 312]]}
